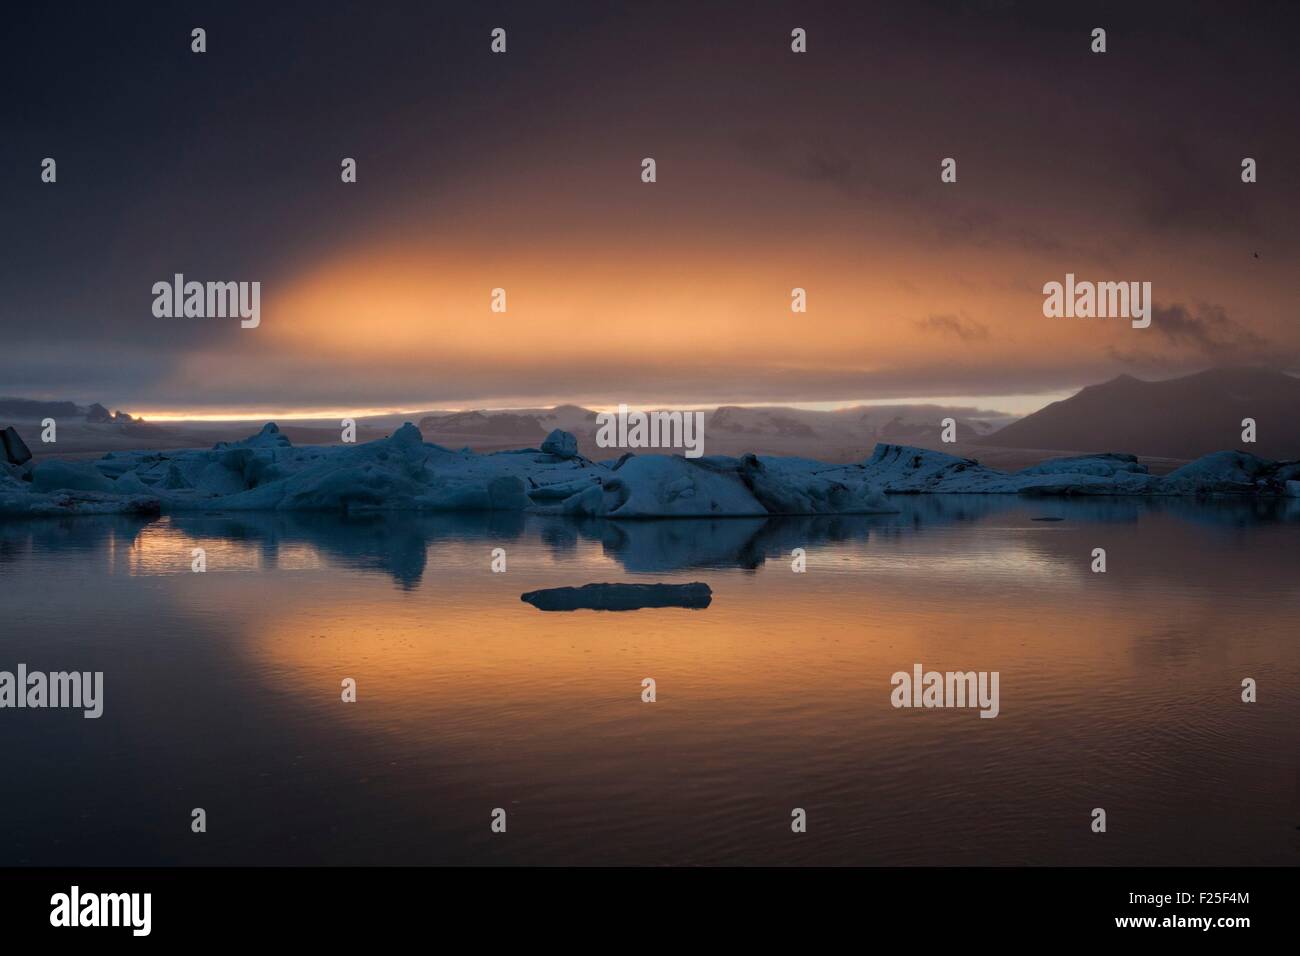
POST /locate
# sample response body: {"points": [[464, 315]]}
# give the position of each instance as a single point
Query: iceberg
{"points": [[53, 475], [13, 448], [32, 505], [561, 444], [621, 597], [663, 486], [266, 472], [902, 469]]}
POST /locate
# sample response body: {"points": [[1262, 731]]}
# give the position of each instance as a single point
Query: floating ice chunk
{"points": [[12, 447], [900, 468], [268, 437], [792, 489], [54, 475], [505, 493], [560, 490], [27, 504], [621, 597], [408, 436], [402, 472], [1105, 466], [350, 488], [665, 486], [220, 479], [175, 479], [561, 444]]}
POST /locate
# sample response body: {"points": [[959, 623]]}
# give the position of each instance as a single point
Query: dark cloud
{"points": [[224, 166], [1207, 336], [1194, 187], [277, 382], [1209, 331]]}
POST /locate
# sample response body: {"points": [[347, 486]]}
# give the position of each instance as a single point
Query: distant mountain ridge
{"points": [[34, 409], [841, 435], [482, 423], [863, 423], [1176, 418], [1181, 418]]}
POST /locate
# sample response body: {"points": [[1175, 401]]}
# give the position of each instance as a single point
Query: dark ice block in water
{"points": [[620, 597]]}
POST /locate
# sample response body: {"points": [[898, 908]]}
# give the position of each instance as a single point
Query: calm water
{"points": [[1118, 690]]}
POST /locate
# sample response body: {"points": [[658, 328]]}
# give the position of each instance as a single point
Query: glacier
{"points": [[402, 472]]}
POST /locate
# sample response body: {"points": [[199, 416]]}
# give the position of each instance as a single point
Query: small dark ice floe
{"points": [[620, 597]]}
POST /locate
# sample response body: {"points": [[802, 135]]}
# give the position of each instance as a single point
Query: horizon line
{"points": [[1027, 402]]}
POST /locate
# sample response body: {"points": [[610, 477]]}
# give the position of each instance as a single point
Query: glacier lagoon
{"points": [[221, 689]]}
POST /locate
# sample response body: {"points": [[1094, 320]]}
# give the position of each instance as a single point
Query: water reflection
{"points": [[399, 545], [1119, 690]]}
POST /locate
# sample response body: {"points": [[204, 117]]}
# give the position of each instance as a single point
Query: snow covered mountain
{"points": [[843, 435]]}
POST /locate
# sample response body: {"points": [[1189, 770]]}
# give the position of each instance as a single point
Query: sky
{"points": [[522, 171]]}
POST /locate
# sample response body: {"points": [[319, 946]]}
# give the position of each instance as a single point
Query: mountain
{"points": [[842, 435], [861, 424], [517, 428], [482, 424], [1176, 418], [847, 434], [31, 409]]}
